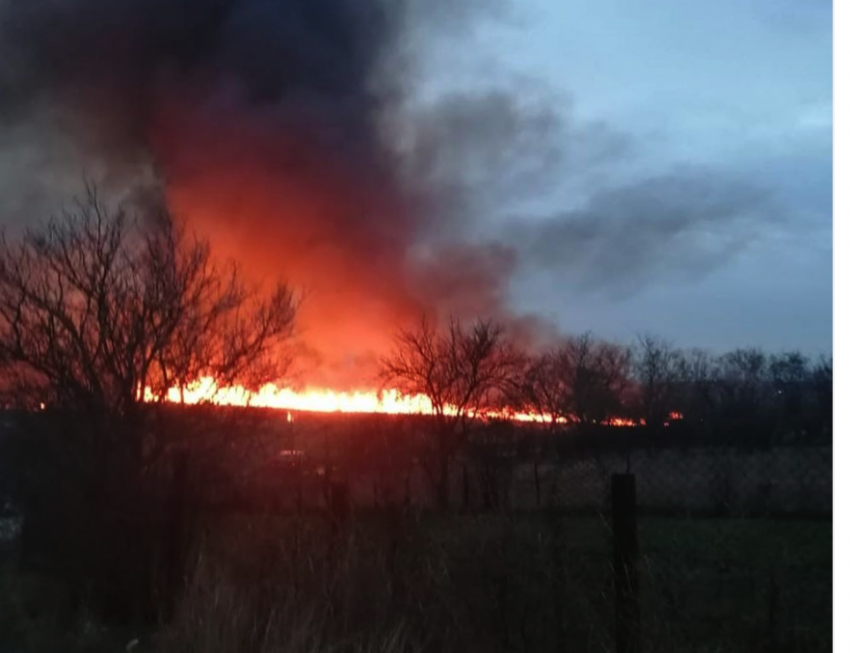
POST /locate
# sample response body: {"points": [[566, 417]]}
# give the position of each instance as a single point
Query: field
{"points": [[734, 544], [376, 456], [542, 582], [488, 582]]}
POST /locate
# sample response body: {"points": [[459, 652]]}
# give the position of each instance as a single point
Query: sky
{"points": [[736, 93], [617, 167]]}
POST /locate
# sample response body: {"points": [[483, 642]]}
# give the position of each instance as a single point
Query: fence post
{"points": [[627, 605]]}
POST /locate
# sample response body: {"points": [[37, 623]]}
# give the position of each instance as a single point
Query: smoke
{"points": [[268, 125], [288, 132], [679, 225]]}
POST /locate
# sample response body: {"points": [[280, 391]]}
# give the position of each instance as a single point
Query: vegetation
{"points": [[183, 528], [487, 582], [464, 372], [100, 312]]}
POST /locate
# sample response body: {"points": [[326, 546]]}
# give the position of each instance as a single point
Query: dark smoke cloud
{"points": [[284, 130], [490, 139], [112, 62], [478, 152], [682, 224], [267, 125]]}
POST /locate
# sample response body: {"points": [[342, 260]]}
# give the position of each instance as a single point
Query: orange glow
{"points": [[622, 421], [388, 402]]}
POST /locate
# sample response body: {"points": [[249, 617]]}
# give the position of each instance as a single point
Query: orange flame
{"points": [[623, 421], [389, 402], [313, 400]]}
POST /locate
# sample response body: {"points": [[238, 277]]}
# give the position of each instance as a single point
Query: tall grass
{"points": [[389, 583]]}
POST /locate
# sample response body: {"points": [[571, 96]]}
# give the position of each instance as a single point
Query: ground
{"points": [[520, 581]]}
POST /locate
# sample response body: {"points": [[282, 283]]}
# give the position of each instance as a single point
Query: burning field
{"points": [[284, 361], [286, 134]]}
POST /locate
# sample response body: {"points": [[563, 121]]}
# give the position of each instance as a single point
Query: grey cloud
{"points": [[680, 225], [478, 152]]}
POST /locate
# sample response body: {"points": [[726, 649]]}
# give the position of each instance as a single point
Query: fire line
{"points": [[388, 402]]}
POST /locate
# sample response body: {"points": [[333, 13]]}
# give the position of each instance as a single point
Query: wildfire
{"points": [[623, 421], [388, 402]]}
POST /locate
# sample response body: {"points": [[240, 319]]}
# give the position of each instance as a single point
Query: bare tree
{"points": [[657, 366], [580, 382], [698, 397], [822, 386], [599, 373], [464, 371], [101, 310], [543, 389], [743, 382], [790, 374]]}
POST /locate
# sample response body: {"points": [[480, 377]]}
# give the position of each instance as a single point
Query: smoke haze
{"points": [[283, 131]]}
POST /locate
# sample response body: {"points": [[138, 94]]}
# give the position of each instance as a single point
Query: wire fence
{"points": [[732, 546], [736, 548]]}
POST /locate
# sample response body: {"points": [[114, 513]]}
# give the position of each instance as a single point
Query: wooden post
{"points": [[627, 605]]}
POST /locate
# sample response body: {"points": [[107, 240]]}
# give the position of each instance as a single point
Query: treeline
{"points": [[743, 395], [475, 370]]}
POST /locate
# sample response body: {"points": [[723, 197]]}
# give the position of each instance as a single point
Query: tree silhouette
{"points": [[98, 305], [101, 313], [463, 370], [581, 381], [657, 366]]}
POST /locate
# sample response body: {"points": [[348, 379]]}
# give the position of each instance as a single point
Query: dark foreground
{"points": [[386, 581]]}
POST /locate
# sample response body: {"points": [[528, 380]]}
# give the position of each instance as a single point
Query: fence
{"points": [[736, 549], [703, 548], [731, 548]]}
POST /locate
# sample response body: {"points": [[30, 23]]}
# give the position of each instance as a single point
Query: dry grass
{"points": [[394, 583], [390, 584]]}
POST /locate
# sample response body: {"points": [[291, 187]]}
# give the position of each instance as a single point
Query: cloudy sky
{"points": [[611, 166], [692, 194]]}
